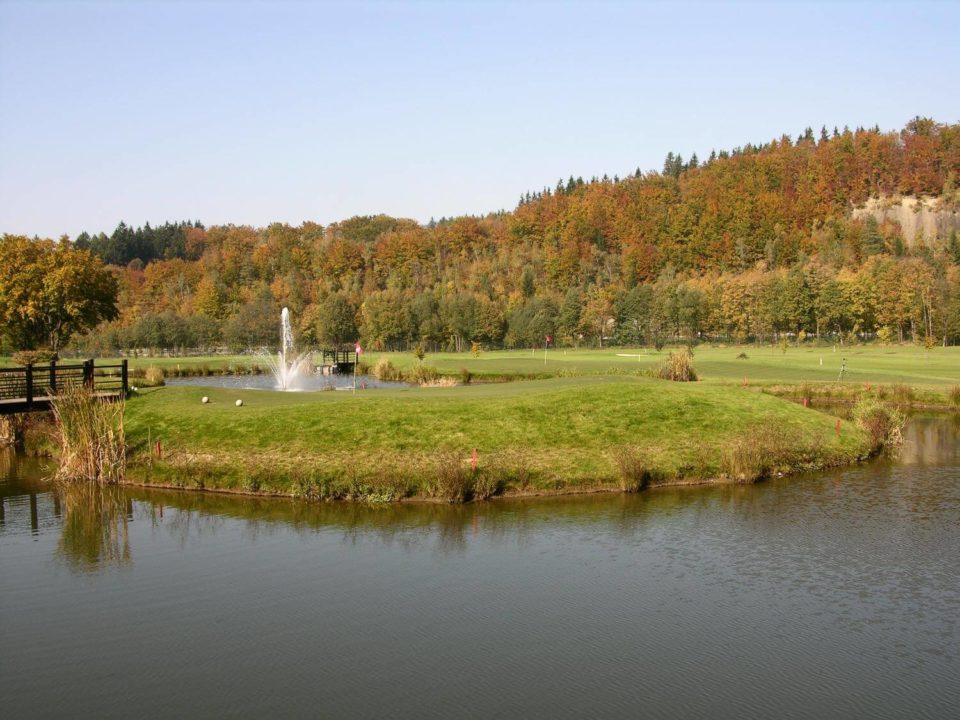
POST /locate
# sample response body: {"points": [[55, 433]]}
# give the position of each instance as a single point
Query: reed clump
{"points": [[902, 394], [955, 395], [153, 377], [487, 484], [748, 459], [512, 468], [422, 374], [452, 480], [385, 371], [678, 367], [633, 475], [91, 436], [882, 423]]}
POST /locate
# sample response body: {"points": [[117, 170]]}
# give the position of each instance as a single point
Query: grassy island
{"points": [[556, 435]]}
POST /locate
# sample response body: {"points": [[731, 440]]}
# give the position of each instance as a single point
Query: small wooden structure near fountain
{"points": [[334, 362]]}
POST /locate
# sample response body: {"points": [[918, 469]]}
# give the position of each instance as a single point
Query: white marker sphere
{"points": [[205, 400], [239, 403]]}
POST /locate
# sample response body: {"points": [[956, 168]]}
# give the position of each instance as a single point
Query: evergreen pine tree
{"points": [[872, 239]]}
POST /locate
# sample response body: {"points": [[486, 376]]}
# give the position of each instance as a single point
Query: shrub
{"points": [[633, 474], [743, 356], [32, 357], [883, 424], [465, 376], [678, 367]]}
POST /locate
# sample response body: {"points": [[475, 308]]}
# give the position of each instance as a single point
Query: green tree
{"points": [[335, 322], [49, 291]]}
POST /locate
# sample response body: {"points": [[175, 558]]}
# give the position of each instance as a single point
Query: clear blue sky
{"points": [[259, 112]]}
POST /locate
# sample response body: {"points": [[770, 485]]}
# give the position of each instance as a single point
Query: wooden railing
{"points": [[32, 387]]}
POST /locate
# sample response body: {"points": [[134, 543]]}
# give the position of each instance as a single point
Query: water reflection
{"points": [[94, 521], [95, 528]]}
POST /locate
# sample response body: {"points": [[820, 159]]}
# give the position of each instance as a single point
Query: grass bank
{"points": [[559, 435]]}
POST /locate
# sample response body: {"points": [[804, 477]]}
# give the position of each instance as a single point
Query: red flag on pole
{"points": [[358, 350]]}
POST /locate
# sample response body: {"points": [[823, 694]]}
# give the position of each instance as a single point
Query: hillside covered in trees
{"points": [[748, 245]]}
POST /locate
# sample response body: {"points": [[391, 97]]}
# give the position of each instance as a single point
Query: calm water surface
{"points": [[829, 596]]}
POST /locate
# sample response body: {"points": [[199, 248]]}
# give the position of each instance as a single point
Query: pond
{"points": [[835, 595]]}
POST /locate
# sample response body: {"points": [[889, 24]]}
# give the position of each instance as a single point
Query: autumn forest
{"points": [[759, 243]]}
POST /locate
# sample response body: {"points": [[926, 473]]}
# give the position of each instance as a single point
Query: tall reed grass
{"points": [[91, 436], [884, 424], [633, 473], [678, 367]]}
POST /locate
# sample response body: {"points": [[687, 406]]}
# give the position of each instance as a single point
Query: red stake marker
{"points": [[838, 426], [744, 380], [159, 451]]}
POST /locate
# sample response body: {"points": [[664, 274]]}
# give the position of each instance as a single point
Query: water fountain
{"points": [[290, 368]]}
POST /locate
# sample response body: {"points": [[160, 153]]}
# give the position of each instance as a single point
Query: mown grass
{"points": [[936, 369], [908, 364], [548, 435]]}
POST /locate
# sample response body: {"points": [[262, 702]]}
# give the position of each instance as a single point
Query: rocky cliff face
{"points": [[931, 219]]}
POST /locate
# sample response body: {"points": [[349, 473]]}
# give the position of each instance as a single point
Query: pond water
{"points": [[312, 383], [836, 595]]}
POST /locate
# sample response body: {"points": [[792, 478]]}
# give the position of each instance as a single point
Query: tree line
{"points": [[752, 244]]}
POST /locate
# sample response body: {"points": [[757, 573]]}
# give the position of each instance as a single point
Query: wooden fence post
{"points": [[29, 370], [124, 376], [53, 376], [88, 374]]}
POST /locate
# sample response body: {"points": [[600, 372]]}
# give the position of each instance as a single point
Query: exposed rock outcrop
{"points": [[931, 219]]}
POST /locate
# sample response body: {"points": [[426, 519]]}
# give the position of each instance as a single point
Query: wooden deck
{"points": [[337, 361], [32, 388]]}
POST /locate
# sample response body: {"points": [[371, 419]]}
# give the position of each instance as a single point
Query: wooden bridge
{"points": [[337, 361], [32, 388]]}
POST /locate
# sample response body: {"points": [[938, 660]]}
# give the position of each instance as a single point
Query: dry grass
{"points": [[91, 436]]}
